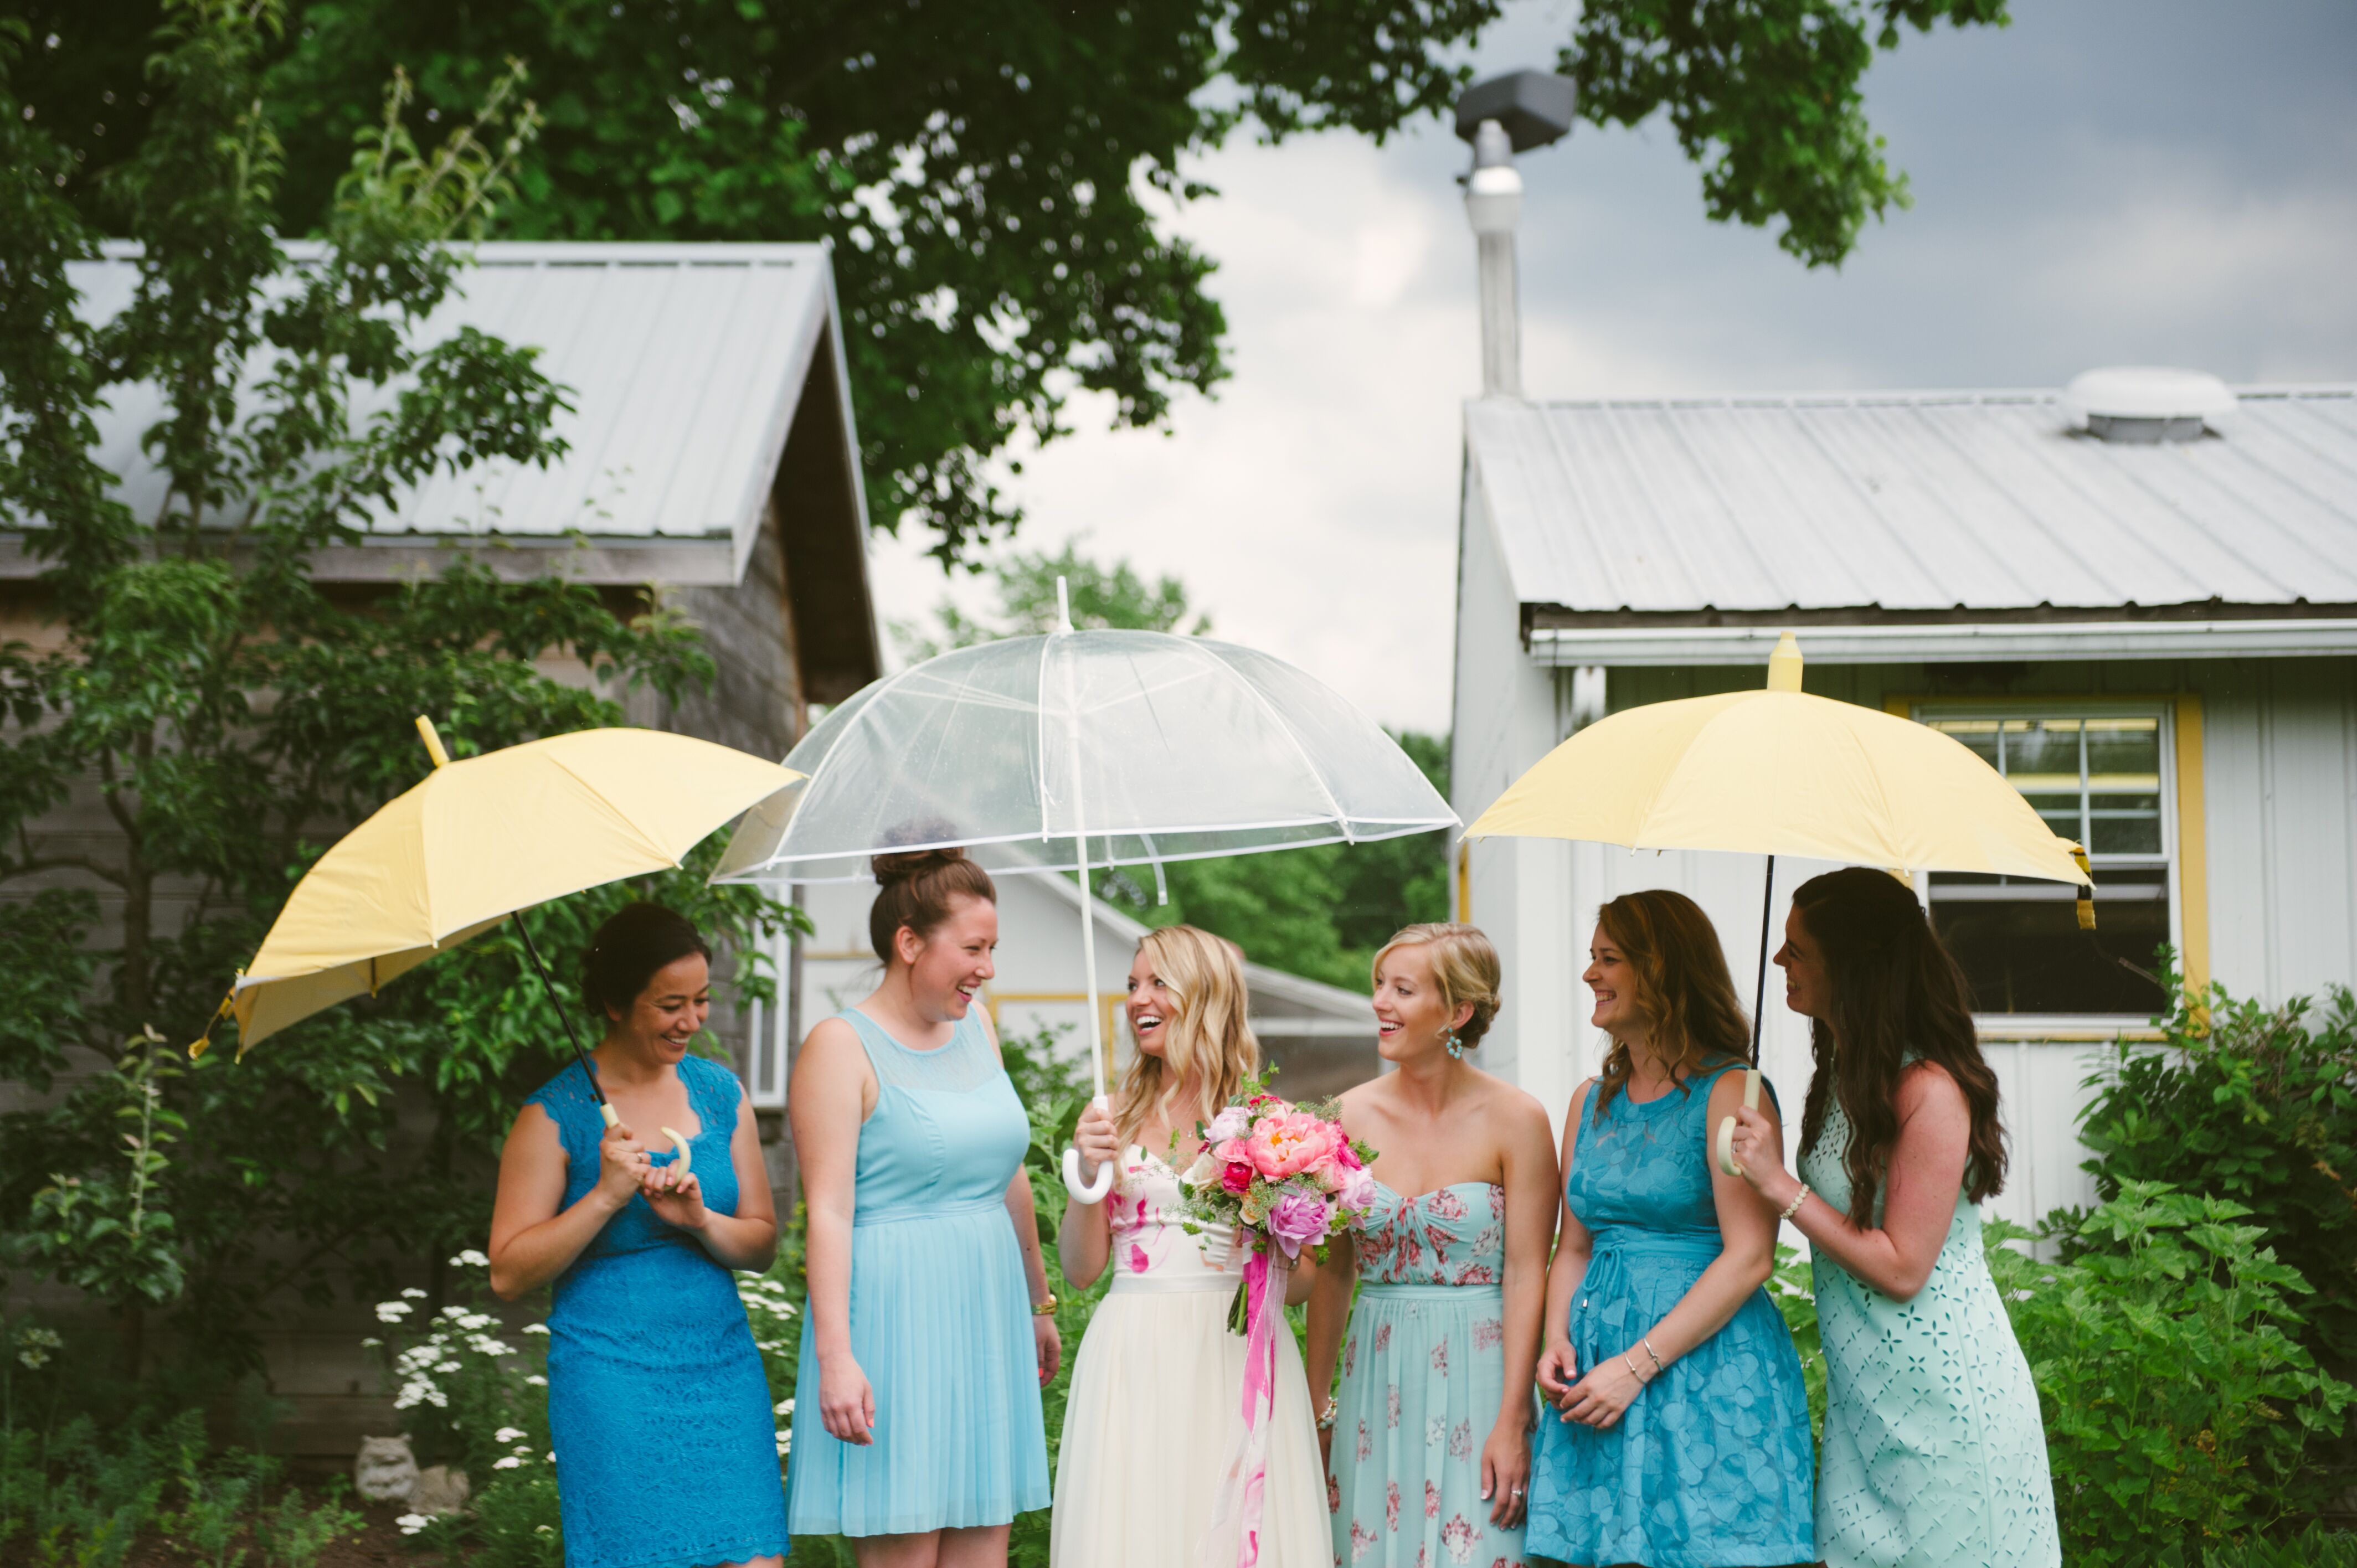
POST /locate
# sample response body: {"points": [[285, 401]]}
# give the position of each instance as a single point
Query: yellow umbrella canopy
{"points": [[475, 842], [1780, 772]]}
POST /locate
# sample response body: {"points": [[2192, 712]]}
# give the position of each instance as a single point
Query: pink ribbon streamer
{"points": [[1245, 1480]]}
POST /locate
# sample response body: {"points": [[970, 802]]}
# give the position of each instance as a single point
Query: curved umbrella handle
{"points": [[1726, 1125], [1088, 1192]]}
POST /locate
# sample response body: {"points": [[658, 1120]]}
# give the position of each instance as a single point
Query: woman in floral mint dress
{"points": [[1429, 1439]]}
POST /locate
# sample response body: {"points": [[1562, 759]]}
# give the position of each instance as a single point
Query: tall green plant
{"points": [[2180, 1408], [2257, 1104], [227, 714]]}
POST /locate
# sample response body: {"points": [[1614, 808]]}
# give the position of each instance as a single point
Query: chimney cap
{"points": [[1535, 107], [2144, 404]]}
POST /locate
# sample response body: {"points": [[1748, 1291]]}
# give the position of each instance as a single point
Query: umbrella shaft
{"points": [[1759, 987], [563, 1017]]}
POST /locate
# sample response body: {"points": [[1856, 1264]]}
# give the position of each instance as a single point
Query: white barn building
{"points": [[2155, 636]]}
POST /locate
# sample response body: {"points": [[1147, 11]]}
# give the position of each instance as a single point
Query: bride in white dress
{"points": [[1157, 1387]]}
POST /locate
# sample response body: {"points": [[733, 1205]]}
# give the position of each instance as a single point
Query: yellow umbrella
{"points": [[477, 840], [1779, 772]]}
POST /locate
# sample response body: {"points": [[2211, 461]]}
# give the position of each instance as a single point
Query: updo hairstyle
{"points": [[636, 940], [1464, 966], [919, 889]]}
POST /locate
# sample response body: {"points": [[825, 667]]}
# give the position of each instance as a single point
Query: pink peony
{"points": [[1358, 1191], [1233, 1123], [1236, 1178], [1347, 1157], [1299, 1218], [1284, 1145]]}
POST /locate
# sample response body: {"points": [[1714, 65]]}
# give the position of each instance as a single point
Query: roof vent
{"points": [[2142, 404]]}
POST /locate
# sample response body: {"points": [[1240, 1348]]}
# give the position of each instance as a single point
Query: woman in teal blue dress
{"points": [[1935, 1452], [1679, 1433], [930, 1330], [646, 1327]]}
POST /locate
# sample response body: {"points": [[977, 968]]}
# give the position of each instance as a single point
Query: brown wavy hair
{"points": [[1682, 988], [1896, 993], [917, 889]]}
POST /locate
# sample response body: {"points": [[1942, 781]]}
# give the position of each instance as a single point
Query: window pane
{"points": [[2125, 824], [1980, 735], [2125, 746], [2030, 956], [2042, 754]]}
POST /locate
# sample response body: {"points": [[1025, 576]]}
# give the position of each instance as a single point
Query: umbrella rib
{"points": [[1341, 818]]}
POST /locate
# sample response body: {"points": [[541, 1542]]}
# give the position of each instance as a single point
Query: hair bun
{"points": [[907, 864]]}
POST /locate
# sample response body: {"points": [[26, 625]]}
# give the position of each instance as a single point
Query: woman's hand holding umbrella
{"points": [[1757, 1155], [623, 1166]]}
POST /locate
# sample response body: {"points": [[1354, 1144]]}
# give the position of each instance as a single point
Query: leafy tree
{"points": [[988, 169], [226, 713], [1320, 911]]}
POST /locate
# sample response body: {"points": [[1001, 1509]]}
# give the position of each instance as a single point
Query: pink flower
{"points": [[1488, 1334], [1298, 1218], [1236, 1178], [1391, 1505], [1233, 1123], [1431, 1500], [1357, 1193], [1440, 1358], [1362, 1540], [1446, 1204], [1287, 1142], [1347, 1157], [1382, 1337], [1457, 1536]]}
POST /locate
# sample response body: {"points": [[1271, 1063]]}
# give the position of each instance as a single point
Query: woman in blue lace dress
{"points": [[1680, 1437], [1935, 1453], [1428, 1440], [929, 1330], [652, 1367]]}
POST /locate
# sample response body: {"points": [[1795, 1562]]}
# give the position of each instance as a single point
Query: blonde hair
{"points": [[1209, 1035], [1464, 966]]}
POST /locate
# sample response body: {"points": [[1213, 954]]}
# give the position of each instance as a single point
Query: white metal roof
{"points": [[685, 364], [1966, 502]]}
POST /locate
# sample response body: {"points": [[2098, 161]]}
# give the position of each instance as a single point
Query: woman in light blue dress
{"points": [[930, 1330], [646, 1321], [1679, 1433], [1428, 1440], [1934, 1450]]}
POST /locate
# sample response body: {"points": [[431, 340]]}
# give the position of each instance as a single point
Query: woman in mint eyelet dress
{"points": [[929, 1330], [1427, 1440], [646, 1317], [1679, 1436], [1935, 1453]]}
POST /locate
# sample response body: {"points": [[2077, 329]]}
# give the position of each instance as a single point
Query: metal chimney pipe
{"points": [[1493, 204]]}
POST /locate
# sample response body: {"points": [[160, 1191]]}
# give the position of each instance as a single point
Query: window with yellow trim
{"points": [[2098, 774]]}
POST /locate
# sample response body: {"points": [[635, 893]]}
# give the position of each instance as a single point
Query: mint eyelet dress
{"points": [[1934, 1451], [1709, 1467], [941, 1316], [645, 1320]]}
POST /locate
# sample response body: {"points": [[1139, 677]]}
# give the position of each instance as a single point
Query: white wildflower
{"points": [[536, 1380], [33, 1360], [411, 1523], [391, 1311], [544, 1530], [40, 1339], [535, 1328], [372, 1343], [784, 1407], [785, 1441], [510, 1463], [507, 1434], [470, 1259], [414, 1294], [552, 1456]]}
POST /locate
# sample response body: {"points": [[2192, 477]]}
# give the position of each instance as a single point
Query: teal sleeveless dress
{"points": [[1709, 1467], [1423, 1370], [646, 1334], [940, 1317], [1934, 1451]]}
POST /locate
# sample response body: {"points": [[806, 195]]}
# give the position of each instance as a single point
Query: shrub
{"points": [[1793, 1290], [2254, 1105], [2180, 1410]]}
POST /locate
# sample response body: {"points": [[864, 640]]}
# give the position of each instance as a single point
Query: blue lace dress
{"points": [[666, 1449], [1710, 1467], [1423, 1370], [940, 1317]]}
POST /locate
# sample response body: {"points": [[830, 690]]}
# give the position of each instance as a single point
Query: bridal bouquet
{"points": [[1286, 1177]]}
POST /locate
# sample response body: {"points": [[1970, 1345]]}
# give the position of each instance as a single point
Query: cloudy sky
{"points": [[2104, 182]]}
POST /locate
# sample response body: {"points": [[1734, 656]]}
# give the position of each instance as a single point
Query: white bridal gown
{"points": [[1157, 1400]]}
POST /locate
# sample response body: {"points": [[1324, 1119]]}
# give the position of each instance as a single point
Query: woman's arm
{"points": [[1046, 1343], [1328, 1315], [829, 1099], [1084, 1241], [1746, 1254], [745, 1240], [532, 1243], [1557, 1365], [1927, 1171], [1532, 1201]]}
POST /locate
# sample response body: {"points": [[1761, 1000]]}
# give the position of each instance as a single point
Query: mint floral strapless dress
{"points": [[1709, 1467], [646, 1336], [1423, 1370]]}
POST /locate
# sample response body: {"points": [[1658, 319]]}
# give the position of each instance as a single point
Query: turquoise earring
{"points": [[1456, 1046]]}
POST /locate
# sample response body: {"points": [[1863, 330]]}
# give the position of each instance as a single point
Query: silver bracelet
{"points": [[1641, 1378], [1647, 1343], [1793, 1207]]}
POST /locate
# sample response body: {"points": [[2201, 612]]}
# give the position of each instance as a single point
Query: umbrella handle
{"points": [[1726, 1125], [1088, 1192]]}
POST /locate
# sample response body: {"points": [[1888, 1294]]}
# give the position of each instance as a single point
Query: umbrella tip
{"points": [[1063, 606], [1783, 665], [426, 732]]}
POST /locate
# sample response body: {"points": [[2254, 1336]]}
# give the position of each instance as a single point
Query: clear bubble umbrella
{"points": [[1080, 749]]}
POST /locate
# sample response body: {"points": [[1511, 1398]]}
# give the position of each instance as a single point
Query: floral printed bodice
{"points": [[1146, 1211], [1453, 1235]]}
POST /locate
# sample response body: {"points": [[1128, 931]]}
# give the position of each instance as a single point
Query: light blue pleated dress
{"points": [[1424, 1372], [940, 1318], [646, 1334], [1710, 1466]]}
